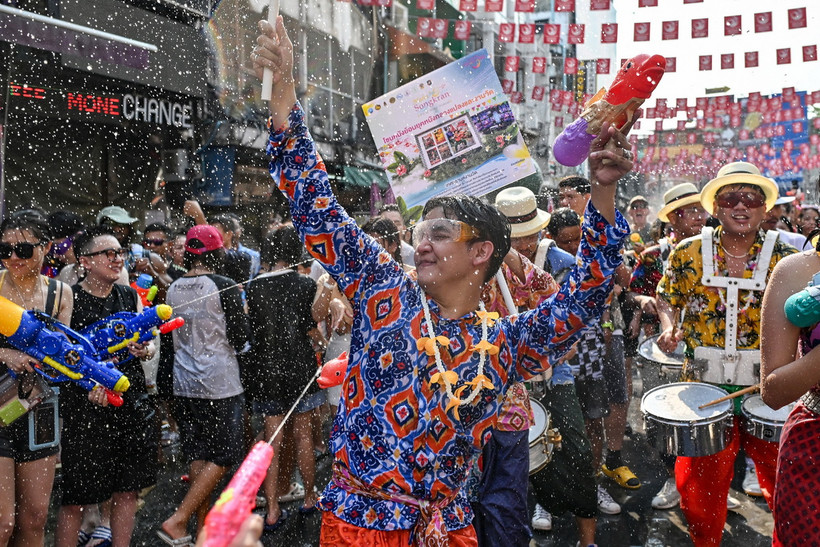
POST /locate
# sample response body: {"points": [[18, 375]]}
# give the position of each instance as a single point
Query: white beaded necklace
{"points": [[448, 378]]}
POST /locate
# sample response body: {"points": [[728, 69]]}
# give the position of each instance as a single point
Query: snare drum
{"points": [[663, 367], [675, 425], [761, 420], [540, 437]]}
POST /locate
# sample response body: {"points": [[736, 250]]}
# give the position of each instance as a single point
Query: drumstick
{"points": [[744, 391], [267, 76]]}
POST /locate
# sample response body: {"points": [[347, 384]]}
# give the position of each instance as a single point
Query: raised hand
{"points": [[610, 157], [274, 51]]}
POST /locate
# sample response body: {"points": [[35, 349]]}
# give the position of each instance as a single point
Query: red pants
{"points": [[336, 532], [704, 483]]}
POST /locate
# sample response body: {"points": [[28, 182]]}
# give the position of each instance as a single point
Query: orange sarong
{"points": [[336, 532]]}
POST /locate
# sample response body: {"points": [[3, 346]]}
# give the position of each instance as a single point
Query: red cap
{"points": [[202, 239]]}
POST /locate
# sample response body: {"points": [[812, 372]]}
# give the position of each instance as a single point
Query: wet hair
{"points": [[389, 208], [562, 218], [83, 241], [580, 184], [488, 221], [281, 245], [226, 221], [159, 227], [64, 224], [381, 227], [658, 229], [212, 260], [28, 219]]}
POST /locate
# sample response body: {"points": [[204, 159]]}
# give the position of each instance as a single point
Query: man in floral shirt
{"points": [[428, 366], [739, 197]]}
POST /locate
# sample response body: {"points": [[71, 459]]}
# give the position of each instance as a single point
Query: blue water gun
{"points": [[64, 354], [111, 336]]}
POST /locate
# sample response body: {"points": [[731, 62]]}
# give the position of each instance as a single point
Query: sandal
{"points": [[101, 533], [296, 492], [184, 541], [82, 538], [283, 516], [623, 476]]}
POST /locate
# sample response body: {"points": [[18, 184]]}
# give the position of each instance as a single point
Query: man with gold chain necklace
{"points": [[428, 365], [718, 278]]}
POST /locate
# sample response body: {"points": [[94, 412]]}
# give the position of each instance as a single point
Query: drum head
{"points": [[539, 425], [679, 402], [650, 351], [753, 406]]}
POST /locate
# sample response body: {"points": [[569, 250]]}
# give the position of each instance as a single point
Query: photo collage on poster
{"points": [[447, 141]]}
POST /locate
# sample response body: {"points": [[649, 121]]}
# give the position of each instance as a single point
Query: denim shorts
{"points": [[275, 408]]}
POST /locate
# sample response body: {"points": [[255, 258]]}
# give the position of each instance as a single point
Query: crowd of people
{"points": [[456, 329]]}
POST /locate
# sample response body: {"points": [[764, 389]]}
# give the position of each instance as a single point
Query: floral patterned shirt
{"points": [[649, 270], [704, 321], [393, 431], [516, 411]]}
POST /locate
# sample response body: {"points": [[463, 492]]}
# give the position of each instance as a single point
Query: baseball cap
{"points": [[203, 239], [116, 214]]}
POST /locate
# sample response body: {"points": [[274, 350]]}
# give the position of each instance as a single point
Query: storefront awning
{"points": [[38, 31], [357, 176]]}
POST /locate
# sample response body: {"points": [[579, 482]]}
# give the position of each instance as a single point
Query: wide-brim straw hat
{"points": [[739, 172], [518, 204], [678, 196]]}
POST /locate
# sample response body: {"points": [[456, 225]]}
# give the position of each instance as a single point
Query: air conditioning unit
{"points": [[399, 17]]}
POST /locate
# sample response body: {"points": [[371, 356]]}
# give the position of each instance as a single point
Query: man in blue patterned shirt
{"points": [[428, 366]]}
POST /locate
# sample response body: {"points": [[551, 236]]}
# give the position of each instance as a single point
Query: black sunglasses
{"points": [[111, 254], [22, 250], [154, 242]]}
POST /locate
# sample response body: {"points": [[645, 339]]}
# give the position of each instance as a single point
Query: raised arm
{"points": [[330, 235]]}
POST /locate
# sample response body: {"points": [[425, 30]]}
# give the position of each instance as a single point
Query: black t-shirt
{"points": [[88, 309], [283, 361]]}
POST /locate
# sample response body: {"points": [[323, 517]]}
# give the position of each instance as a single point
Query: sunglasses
{"points": [[729, 200], [153, 242], [442, 230], [22, 250], [110, 254]]}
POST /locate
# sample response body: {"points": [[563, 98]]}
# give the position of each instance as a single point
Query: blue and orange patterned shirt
{"points": [[392, 432]]}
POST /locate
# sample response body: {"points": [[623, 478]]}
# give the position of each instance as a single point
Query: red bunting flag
{"points": [[705, 62], [692, 1], [559, 121], [424, 27], [671, 64], [564, 5], [493, 5], [468, 5], [692, 112], [609, 33], [539, 65], [516, 97], [763, 21], [462, 30], [575, 34], [602, 66], [538, 93], [797, 18], [507, 86], [700, 28], [647, 3], [681, 125], [660, 104], [809, 53], [784, 56], [669, 30], [727, 61], [598, 5], [641, 32], [526, 6], [506, 32], [511, 63], [659, 125], [552, 33], [425, 4], [815, 97], [681, 104], [570, 65], [526, 33], [440, 29], [566, 98], [751, 58], [731, 25], [797, 127], [651, 112]]}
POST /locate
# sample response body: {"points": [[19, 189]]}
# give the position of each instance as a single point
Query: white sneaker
{"points": [[606, 504], [541, 519], [732, 503], [750, 484], [668, 497]]}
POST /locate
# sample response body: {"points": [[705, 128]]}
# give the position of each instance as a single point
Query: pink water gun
{"points": [[634, 83]]}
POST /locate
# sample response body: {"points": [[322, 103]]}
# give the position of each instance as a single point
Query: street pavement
{"points": [[638, 524]]}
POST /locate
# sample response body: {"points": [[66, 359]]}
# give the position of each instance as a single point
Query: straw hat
{"points": [[519, 206], [678, 196], [739, 172]]}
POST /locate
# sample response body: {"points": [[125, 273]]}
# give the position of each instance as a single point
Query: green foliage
{"points": [[411, 215]]}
